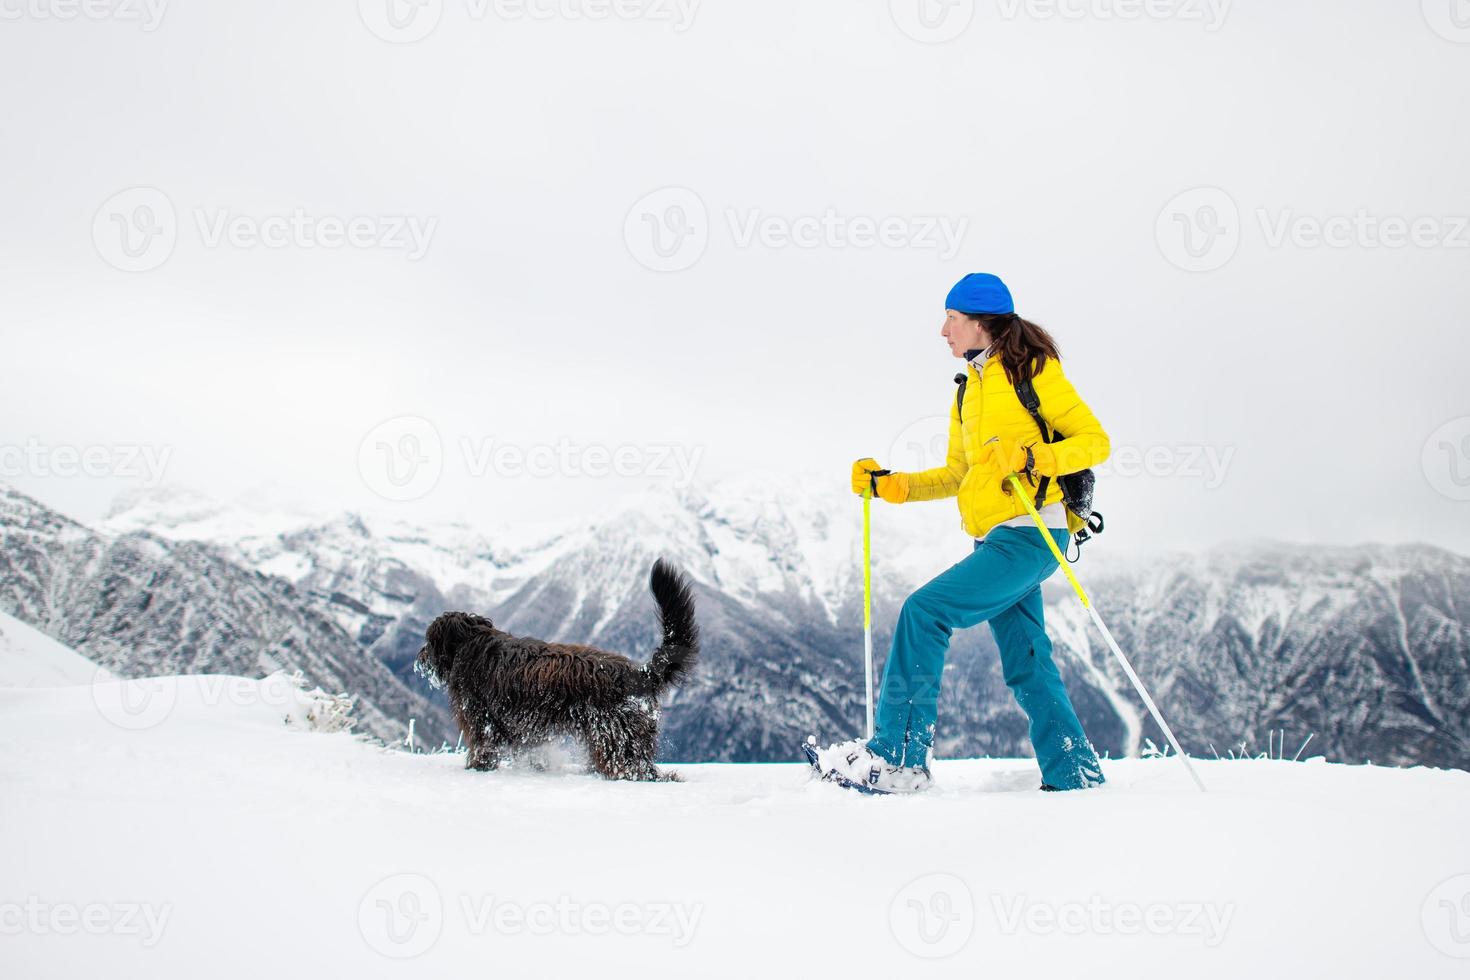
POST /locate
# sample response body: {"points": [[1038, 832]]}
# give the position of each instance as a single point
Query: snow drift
{"points": [[215, 838]]}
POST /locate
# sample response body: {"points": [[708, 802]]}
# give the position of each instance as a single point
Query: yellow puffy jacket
{"points": [[991, 409]]}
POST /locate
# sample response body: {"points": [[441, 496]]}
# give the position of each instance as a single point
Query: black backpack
{"points": [[1077, 488]]}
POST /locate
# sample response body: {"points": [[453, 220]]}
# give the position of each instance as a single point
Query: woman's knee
{"points": [[923, 608]]}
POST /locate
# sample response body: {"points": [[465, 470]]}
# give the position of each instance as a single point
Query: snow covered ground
{"points": [[30, 658], [222, 826], [180, 829]]}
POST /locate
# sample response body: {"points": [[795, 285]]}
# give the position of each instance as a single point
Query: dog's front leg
{"points": [[485, 751], [483, 757]]}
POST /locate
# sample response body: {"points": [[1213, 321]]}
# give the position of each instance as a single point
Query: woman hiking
{"points": [[991, 435]]}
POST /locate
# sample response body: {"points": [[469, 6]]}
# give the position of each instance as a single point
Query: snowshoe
{"points": [[852, 765]]}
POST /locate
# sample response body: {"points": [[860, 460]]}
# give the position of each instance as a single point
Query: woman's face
{"points": [[963, 334]]}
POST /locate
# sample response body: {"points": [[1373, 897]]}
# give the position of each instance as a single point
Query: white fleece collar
{"points": [[977, 361]]}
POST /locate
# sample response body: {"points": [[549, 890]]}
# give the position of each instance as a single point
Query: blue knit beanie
{"points": [[980, 292]]}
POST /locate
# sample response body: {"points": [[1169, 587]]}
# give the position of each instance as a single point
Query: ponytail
{"points": [[1021, 345]]}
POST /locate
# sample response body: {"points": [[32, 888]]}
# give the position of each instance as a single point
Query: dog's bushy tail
{"points": [[676, 656]]}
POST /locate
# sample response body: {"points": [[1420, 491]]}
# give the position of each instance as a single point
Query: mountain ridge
{"points": [[1364, 647]]}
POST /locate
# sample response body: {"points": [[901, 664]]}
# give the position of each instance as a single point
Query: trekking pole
{"points": [[1102, 628], [868, 603]]}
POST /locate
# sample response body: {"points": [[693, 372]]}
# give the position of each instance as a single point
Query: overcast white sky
{"points": [[1286, 388]]}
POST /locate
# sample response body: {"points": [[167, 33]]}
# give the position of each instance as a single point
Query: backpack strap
{"points": [[1026, 391], [960, 379]]}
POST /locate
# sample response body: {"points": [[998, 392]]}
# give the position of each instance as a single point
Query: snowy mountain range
{"points": [[138, 604], [1366, 649]]}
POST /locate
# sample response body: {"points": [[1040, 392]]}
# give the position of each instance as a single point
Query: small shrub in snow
{"points": [[315, 710]]}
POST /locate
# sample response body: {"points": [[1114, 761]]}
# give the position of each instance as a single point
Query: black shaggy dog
{"points": [[513, 693]]}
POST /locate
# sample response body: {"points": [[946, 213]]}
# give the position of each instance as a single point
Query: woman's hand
{"points": [[892, 487], [1007, 456]]}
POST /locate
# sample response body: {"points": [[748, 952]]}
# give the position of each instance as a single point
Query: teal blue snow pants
{"points": [[1000, 582]]}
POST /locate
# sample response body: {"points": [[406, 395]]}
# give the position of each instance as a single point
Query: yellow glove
{"points": [[892, 487], [1045, 459], [1029, 461]]}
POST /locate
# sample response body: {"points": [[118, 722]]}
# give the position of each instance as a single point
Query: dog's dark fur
{"points": [[513, 693]]}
